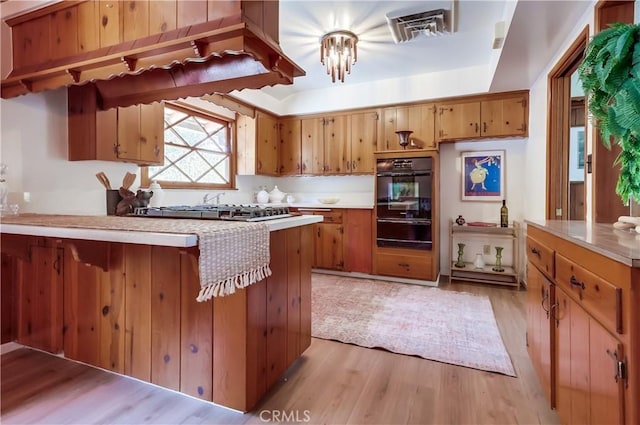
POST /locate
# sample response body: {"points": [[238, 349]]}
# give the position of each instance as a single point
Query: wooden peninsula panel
{"points": [[140, 317]]}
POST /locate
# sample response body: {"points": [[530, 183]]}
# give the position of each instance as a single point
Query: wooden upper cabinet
{"points": [[267, 144], [131, 134], [337, 153], [419, 119], [290, 147], [504, 117], [312, 145], [258, 145], [141, 134], [363, 142], [389, 139], [458, 121]]}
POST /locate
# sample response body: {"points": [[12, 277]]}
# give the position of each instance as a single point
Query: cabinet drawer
{"points": [[330, 216], [412, 267], [541, 256], [598, 297]]}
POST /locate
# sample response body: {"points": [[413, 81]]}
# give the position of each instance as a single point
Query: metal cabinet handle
{"points": [[553, 316], [484, 127], [403, 264], [576, 282], [535, 251], [545, 297]]}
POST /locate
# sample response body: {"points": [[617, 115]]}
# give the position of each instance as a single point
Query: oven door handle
{"points": [[407, 174], [416, 221]]}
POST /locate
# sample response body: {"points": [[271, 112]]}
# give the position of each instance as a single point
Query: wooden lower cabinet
{"points": [[343, 240], [406, 263], [540, 296], [585, 349], [132, 309], [586, 389]]}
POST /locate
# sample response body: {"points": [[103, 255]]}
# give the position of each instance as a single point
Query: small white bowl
{"points": [[328, 200]]}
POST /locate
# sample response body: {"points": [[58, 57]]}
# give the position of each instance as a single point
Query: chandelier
{"points": [[338, 52]]}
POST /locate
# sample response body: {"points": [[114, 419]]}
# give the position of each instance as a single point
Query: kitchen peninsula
{"points": [[125, 300]]}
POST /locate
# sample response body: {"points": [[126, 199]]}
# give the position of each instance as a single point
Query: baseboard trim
{"points": [[379, 277]]}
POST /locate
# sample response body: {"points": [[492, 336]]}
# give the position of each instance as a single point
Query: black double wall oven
{"points": [[404, 189]]}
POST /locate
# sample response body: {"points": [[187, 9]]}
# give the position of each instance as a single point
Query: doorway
{"points": [[566, 193]]}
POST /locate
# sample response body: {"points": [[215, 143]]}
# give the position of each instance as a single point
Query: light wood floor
{"points": [[332, 383]]}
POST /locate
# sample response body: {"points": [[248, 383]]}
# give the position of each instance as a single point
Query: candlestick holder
{"points": [[498, 267], [460, 263]]}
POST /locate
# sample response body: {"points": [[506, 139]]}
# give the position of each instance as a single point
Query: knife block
{"points": [[113, 197]]}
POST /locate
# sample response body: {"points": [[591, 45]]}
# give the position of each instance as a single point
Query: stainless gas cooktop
{"points": [[216, 212]]}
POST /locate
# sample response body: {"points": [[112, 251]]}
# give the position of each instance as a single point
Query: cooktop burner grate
{"points": [[215, 212]]}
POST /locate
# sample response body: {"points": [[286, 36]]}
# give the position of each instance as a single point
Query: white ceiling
{"points": [[539, 27], [303, 23]]}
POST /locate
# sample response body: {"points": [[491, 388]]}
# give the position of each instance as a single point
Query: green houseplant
{"points": [[610, 75]]}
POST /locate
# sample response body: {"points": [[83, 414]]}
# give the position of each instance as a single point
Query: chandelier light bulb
{"points": [[338, 51]]}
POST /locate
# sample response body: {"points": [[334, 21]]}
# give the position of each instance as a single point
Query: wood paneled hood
{"points": [[144, 51]]}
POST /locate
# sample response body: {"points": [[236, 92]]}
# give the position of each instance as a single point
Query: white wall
{"points": [[534, 204], [452, 205]]}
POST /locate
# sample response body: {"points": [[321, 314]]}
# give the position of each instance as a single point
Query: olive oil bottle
{"points": [[504, 214]]}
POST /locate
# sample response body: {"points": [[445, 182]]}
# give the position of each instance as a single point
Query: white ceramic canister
{"points": [[158, 194], [276, 195], [262, 197]]}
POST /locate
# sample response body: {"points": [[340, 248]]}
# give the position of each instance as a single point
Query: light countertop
{"points": [[181, 240], [619, 245]]}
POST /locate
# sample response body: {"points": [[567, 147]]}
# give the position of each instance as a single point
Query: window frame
{"points": [[201, 113]]}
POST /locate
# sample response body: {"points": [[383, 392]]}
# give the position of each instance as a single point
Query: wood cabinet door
{"points": [[129, 133], [421, 120], [540, 296], [364, 142], [504, 117], [246, 145], [358, 241], [458, 121], [267, 145], [389, 139], [40, 315], [290, 147], [312, 145], [152, 133], [337, 154], [606, 391], [329, 246], [572, 360]]}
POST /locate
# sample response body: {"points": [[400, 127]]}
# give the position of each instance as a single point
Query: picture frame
{"points": [[483, 176]]}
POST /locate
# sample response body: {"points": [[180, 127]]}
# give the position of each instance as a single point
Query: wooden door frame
{"points": [[558, 116]]}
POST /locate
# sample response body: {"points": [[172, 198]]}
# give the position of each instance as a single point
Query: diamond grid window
{"points": [[197, 151]]}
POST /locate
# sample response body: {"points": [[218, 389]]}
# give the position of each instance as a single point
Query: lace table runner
{"points": [[232, 254]]}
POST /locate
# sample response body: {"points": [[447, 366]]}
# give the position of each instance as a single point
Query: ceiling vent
{"points": [[431, 23]]}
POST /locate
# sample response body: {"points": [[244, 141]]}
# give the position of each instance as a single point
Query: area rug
{"points": [[451, 327]]}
